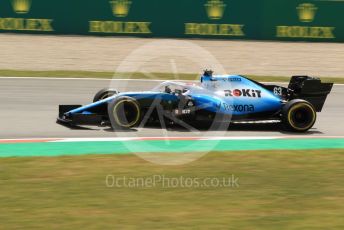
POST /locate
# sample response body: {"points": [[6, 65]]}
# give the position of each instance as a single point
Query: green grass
{"points": [[277, 190], [138, 75]]}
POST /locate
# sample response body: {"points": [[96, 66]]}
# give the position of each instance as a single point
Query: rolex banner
{"points": [[318, 20], [314, 20]]}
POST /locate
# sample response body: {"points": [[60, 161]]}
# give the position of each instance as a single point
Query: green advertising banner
{"points": [[316, 20]]}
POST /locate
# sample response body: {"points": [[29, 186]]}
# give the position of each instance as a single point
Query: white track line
{"points": [[96, 139], [125, 139], [241, 138], [110, 139]]}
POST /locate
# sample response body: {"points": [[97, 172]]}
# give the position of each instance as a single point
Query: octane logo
{"points": [[150, 61]]}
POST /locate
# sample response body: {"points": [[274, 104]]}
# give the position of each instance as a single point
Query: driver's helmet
{"points": [[168, 89], [207, 75]]}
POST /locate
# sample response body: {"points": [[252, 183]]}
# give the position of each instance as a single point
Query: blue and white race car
{"points": [[221, 99]]}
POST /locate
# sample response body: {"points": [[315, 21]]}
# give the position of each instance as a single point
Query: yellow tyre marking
{"points": [[116, 118], [296, 107]]}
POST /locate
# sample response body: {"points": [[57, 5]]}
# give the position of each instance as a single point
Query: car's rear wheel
{"points": [[104, 93], [124, 112], [298, 115]]}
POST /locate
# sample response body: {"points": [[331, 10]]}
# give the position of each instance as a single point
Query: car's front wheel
{"points": [[298, 115], [124, 113]]}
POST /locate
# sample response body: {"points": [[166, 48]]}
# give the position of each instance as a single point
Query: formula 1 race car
{"points": [[222, 98]]}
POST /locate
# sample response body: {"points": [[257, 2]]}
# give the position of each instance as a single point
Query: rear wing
{"points": [[310, 89]]}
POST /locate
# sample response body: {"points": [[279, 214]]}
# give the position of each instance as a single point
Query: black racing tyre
{"points": [[298, 115], [104, 93], [124, 113]]}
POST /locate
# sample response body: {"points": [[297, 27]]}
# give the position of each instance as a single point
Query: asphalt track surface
{"points": [[29, 108]]}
